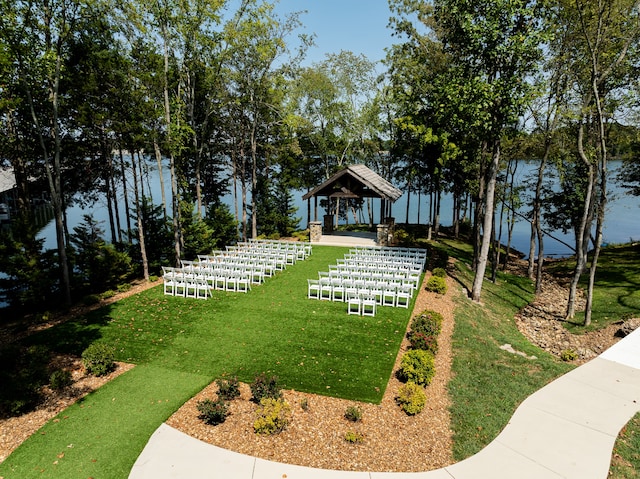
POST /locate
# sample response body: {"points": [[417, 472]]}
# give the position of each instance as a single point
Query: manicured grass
{"points": [[625, 460], [181, 344], [617, 292], [488, 383], [103, 434]]}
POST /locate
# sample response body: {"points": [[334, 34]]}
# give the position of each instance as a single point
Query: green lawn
{"points": [[488, 384], [181, 344], [617, 292]]}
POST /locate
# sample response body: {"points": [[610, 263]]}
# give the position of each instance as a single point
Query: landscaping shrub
{"points": [[439, 272], [353, 413], [272, 416], [411, 398], [436, 284], [428, 322], [417, 366], [213, 412], [304, 404], [23, 373], [426, 342], [354, 437], [98, 359], [265, 387], [60, 379], [228, 389], [568, 355]]}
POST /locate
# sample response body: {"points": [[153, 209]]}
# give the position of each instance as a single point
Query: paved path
{"points": [[565, 430]]}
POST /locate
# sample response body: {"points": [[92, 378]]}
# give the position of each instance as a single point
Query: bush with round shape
{"points": [[98, 359], [265, 386], [213, 412], [411, 398], [428, 322], [436, 284], [60, 379], [228, 388], [272, 417], [354, 437], [420, 340], [417, 366], [353, 414], [439, 272]]}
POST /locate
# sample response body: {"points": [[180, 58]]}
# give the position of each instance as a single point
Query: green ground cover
{"points": [[488, 383], [617, 295], [182, 344]]}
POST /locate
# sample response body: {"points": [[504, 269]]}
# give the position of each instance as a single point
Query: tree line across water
{"points": [[217, 94]]}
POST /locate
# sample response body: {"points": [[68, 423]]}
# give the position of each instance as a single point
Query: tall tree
{"points": [[495, 45], [600, 50], [39, 37]]}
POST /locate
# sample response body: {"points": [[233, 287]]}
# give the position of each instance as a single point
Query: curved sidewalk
{"points": [[565, 430]]}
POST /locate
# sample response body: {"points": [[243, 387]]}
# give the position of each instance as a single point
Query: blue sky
{"points": [[359, 26]]}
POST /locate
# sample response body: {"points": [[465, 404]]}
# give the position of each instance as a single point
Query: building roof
{"points": [[356, 181], [7, 179]]}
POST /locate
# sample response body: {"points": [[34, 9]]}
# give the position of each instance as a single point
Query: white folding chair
{"points": [[353, 302], [367, 304], [243, 283], [313, 289]]}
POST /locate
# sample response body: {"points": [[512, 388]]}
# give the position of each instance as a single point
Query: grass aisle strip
{"points": [[102, 435]]}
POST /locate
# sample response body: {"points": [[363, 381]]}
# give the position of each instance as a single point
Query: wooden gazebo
{"points": [[355, 181]]}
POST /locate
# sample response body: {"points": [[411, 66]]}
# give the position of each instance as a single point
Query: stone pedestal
{"points": [[315, 231], [383, 236]]}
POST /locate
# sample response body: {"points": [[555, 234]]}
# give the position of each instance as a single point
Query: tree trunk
{"points": [[143, 249], [156, 149], [483, 255], [582, 233], [127, 210]]}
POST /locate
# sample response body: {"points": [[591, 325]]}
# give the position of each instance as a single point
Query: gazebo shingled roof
{"points": [[356, 181]]}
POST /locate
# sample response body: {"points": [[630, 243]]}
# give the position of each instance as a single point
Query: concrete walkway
{"points": [[565, 430]]}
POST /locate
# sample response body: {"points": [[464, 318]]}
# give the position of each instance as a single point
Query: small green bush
{"points": [[439, 272], [91, 299], [228, 388], [411, 398], [354, 437], [426, 342], [272, 417], [107, 294], [98, 359], [304, 404], [428, 322], [265, 387], [213, 412], [569, 355], [60, 379], [436, 284], [123, 287], [353, 414], [417, 366], [23, 373]]}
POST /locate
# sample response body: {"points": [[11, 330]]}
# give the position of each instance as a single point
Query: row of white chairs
{"points": [[233, 269], [382, 293], [368, 277]]}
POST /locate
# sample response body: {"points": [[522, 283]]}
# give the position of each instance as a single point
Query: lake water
{"points": [[621, 225]]}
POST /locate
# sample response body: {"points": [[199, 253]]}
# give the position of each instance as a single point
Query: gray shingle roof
{"points": [[356, 181]]}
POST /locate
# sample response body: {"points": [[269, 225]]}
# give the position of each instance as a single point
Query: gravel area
{"points": [[392, 441]]}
